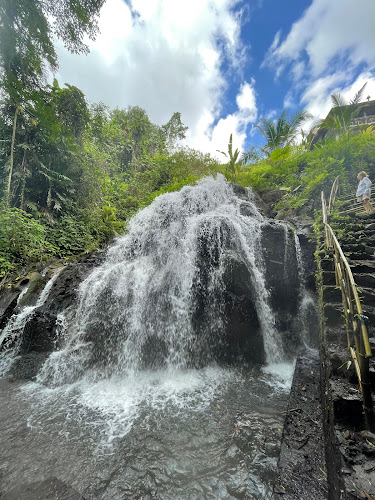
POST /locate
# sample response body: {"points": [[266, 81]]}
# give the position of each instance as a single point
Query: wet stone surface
{"points": [[301, 467], [50, 489]]}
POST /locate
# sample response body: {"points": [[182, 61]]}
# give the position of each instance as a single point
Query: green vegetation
{"points": [[303, 174], [235, 162], [79, 173]]}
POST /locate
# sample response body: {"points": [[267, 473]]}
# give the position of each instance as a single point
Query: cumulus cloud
{"points": [[329, 33], [166, 56], [330, 48], [317, 96], [211, 137]]}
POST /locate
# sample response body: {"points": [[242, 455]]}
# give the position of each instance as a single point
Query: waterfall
{"points": [[307, 314], [11, 335], [143, 302], [168, 375], [301, 270]]}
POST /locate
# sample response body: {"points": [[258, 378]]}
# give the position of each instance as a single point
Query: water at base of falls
{"points": [[192, 434]]}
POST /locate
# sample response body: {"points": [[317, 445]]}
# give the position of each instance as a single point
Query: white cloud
{"points": [[210, 138], [166, 56], [338, 30], [317, 97], [331, 48], [246, 101]]}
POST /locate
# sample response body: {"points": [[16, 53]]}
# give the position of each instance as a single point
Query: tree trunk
{"points": [[22, 196], [11, 161]]}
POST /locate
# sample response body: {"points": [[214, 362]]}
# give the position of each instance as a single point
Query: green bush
{"points": [[69, 236], [22, 239]]}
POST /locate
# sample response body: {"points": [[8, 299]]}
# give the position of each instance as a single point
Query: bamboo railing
{"points": [[332, 196], [357, 335]]}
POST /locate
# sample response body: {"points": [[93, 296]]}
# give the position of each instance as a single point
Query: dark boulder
{"points": [[8, 304], [32, 284], [39, 334], [49, 489], [242, 328]]}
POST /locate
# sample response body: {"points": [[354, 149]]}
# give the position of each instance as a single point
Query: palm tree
{"points": [[342, 114], [282, 133]]}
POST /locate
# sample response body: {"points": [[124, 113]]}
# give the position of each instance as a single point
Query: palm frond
{"points": [[358, 96], [338, 100], [299, 117]]}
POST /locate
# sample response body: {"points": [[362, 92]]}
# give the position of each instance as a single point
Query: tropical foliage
{"points": [[300, 175], [283, 132], [235, 162], [80, 172]]}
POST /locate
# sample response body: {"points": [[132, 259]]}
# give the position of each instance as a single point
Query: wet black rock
{"points": [[40, 332], [8, 304]]}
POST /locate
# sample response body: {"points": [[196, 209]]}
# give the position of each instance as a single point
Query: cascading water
{"points": [[307, 314], [139, 307], [11, 335], [141, 400]]}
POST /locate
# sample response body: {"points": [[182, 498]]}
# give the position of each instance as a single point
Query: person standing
{"points": [[363, 193]]}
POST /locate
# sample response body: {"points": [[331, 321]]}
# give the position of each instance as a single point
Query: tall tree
{"points": [[174, 130], [283, 132], [27, 30]]}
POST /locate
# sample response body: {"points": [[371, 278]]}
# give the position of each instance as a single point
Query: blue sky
{"points": [[224, 64]]}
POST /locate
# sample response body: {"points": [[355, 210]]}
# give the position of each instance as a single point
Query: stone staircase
{"points": [[356, 234], [350, 450]]}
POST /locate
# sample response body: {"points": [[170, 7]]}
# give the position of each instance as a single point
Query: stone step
{"points": [[351, 247], [370, 250], [367, 238], [358, 256], [329, 278], [353, 236], [361, 246], [353, 230], [367, 218], [331, 293], [327, 264], [364, 279], [361, 266], [357, 213], [361, 279], [334, 313]]}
